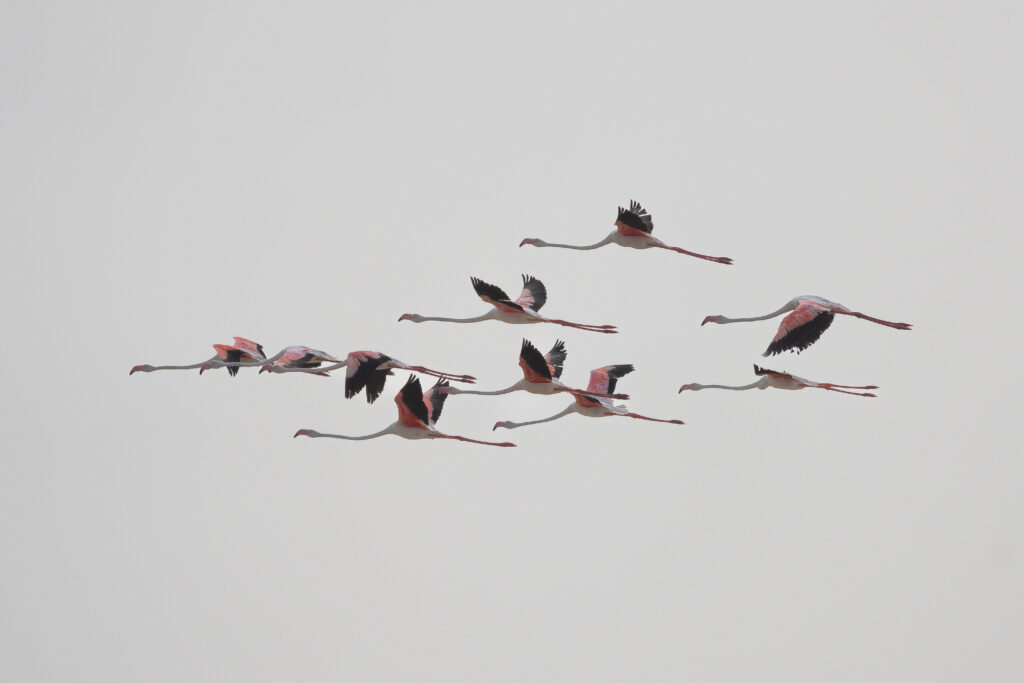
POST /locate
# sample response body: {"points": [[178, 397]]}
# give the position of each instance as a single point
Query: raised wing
{"points": [[411, 408], [759, 371], [602, 380], [635, 220], [434, 401], [535, 366], [800, 329], [493, 295], [252, 348], [534, 294], [363, 371], [555, 358]]}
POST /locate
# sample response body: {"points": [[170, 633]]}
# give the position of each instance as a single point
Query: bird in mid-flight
{"points": [[633, 229], [780, 380]]}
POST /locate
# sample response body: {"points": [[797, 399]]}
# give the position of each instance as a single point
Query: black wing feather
{"points": [[412, 397], [367, 375], [537, 290], [615, 373], [233, 356], [492, 292], [556, 357], [801, 337], [534, 359], [437, 399], [636, 217]]}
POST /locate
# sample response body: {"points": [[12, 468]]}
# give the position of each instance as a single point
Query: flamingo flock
{"points": [[808, 317]]}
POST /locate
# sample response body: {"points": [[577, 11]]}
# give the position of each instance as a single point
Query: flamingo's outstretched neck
{"points": [[152, 368], [313, 434], [898, 326], [717, 259], [503, 444], [652, 419]]}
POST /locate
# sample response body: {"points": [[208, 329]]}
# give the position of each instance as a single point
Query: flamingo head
{"points": [[266, 368], [141, 368], [712, 319], [415, 317], [307, 432], [503, 423], [532, 240], [204, 367], [690, 387]]}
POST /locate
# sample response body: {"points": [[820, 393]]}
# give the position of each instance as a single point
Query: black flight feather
{"points": [[367, 375], [437, 399], [534, 359], [537, 290], [636, 217], [412, 397], [615, 372], [556, 357], [492, 292], [233, 356], [801, 337]]}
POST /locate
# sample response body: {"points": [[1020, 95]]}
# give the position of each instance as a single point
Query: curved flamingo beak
{"points": [[138, 368], [405, 316], [709, 319], [684, 388], [528, 240], [203, 368], [303, 432], [503, 423]]}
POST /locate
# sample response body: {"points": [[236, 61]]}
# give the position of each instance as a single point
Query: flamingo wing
{"points": [[434, 401], [363, 371], [759, 371], [494, 295], [412, 411], [250, 347], [634, 221], [602, 380], [534, 294], [801, 328], [231, 354], [535, 366], [556, 358]]}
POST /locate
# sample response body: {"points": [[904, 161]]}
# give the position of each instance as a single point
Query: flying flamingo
{"points": [[780, 380], [417, 415], [522, 310], [541, 373], [602, 381], [811, 316], [370, 369], [633, 229], [243, 349], [302, 357]]}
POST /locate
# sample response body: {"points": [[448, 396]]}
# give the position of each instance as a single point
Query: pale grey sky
{"points": [[173, 174]]}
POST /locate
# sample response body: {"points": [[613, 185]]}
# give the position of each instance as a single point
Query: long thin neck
{"points": [[486, 316], [571, 408], [183, 367], [754, 385], [390, 429], [782, 310], [603, 242]]}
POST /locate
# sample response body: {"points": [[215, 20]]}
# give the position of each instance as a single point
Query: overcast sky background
{"points": [[174, 174]]}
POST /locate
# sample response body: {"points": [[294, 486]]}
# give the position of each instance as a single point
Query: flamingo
{"points": [[522, 310], [810, 317], [289, 356], [780, 380], [633, 229], [226, 353], [541, 373], [602, 381], [370, 369], [417, 415]]}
